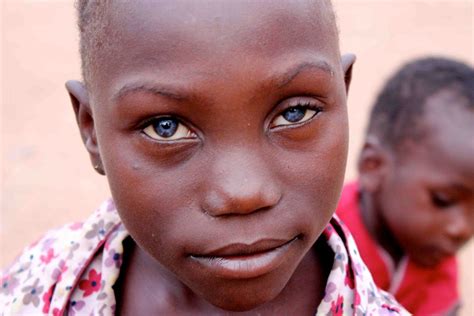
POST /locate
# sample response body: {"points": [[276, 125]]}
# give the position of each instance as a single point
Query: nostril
{"points": [[227, 204]]}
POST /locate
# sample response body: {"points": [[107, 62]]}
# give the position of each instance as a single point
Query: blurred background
{"points": [[47, 179]]}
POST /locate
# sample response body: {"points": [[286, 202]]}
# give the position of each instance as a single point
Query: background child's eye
{"points": [[295, 115], [167, 128], [441, 200]]}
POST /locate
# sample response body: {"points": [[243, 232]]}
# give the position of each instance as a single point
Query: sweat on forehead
{"points": [[400, 105], [98, 30]]}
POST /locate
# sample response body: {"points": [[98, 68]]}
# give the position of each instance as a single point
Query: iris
{"points": [[294, 114], [165, 127]]}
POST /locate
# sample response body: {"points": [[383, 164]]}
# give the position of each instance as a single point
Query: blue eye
{"points": [[294, 115], [167, 128]]}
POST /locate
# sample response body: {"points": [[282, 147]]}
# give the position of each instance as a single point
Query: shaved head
{"points": [[96, 34]]}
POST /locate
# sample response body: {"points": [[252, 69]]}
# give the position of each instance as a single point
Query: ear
{"points": [[85, 120], [348, 61], [373, 165]]}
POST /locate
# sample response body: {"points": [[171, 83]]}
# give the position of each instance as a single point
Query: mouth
{"points": [[245, 261]]}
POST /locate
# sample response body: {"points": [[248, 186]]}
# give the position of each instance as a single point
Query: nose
{"points": [[460, 228], [239, 183]]}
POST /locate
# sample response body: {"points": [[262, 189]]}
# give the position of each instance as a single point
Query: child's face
{"points": [[427, 198], [222, 129]]}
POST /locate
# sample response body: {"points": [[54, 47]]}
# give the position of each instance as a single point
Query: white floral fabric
{"points": [[72, 271]]}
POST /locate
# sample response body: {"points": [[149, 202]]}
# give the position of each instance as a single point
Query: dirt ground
{"points": [[46, 177]]}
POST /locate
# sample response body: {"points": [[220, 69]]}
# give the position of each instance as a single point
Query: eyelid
{"points": [[308, 103], [441, 199]]}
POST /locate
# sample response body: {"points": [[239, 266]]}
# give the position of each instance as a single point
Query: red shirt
{"points": [[421, 290]]}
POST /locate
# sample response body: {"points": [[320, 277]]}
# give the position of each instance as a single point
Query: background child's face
{"points": [[427, 198], [222, 123]]}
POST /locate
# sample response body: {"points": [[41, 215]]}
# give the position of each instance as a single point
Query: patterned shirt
{"points": [[72, 271]]}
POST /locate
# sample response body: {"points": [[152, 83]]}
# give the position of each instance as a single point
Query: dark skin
{"points": [[418, 200], [222, 129]]}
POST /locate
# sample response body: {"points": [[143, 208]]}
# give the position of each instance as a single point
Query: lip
{"points": [[245, 261]]}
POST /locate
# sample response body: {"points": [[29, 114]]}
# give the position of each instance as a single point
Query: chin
{"points": [[428, 260], [241, 303], [246, 296]]}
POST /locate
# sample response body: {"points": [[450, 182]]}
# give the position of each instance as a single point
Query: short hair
{"points": [[92, 23], [400, 104]]}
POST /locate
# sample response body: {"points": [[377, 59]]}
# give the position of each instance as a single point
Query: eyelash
{"points": [[306, 105], [441, 201], [148, 127]]}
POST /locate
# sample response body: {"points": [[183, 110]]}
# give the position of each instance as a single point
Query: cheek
{"points": [[314, 173], [154, 203], [409, 215]]}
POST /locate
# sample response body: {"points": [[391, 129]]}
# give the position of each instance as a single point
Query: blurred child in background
{"points": [[412, 207]]}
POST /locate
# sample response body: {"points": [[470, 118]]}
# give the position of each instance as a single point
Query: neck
{"points": [[377, 226], [148, 288]]}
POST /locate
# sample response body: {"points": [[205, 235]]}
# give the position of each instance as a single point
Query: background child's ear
{"points": [[85, 120], [372, 165], [348, 61]]}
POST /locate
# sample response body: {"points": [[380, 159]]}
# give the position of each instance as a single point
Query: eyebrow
{"points": [[292, 73], [152, 88], [281, 81]]}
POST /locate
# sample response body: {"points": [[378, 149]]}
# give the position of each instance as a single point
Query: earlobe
{"points": [[348, 61], [372, 165], [85, 121]]}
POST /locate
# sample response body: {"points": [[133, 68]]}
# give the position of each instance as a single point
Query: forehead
{"points": [[215, 37], [448, 128]]}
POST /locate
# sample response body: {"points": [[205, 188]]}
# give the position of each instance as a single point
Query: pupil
{"points": [[166, 127], [294, 114]]}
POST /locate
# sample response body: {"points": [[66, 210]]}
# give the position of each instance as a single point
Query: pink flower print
{"points": [[79, 267], [47, 297], [24, 267], [74, 247], [32, 245], [340, 260], [389, 310], [111, 238], [76, 226], [91, 284], [356, 298], [337, 306], [113, 258], [8, 284], [349, 278], [328, 231], [32, 293], [358, 269], [47, 243], [110, 206], [58, 272], [49, 255], [330, 288], [75, 307], [98, 229]]}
